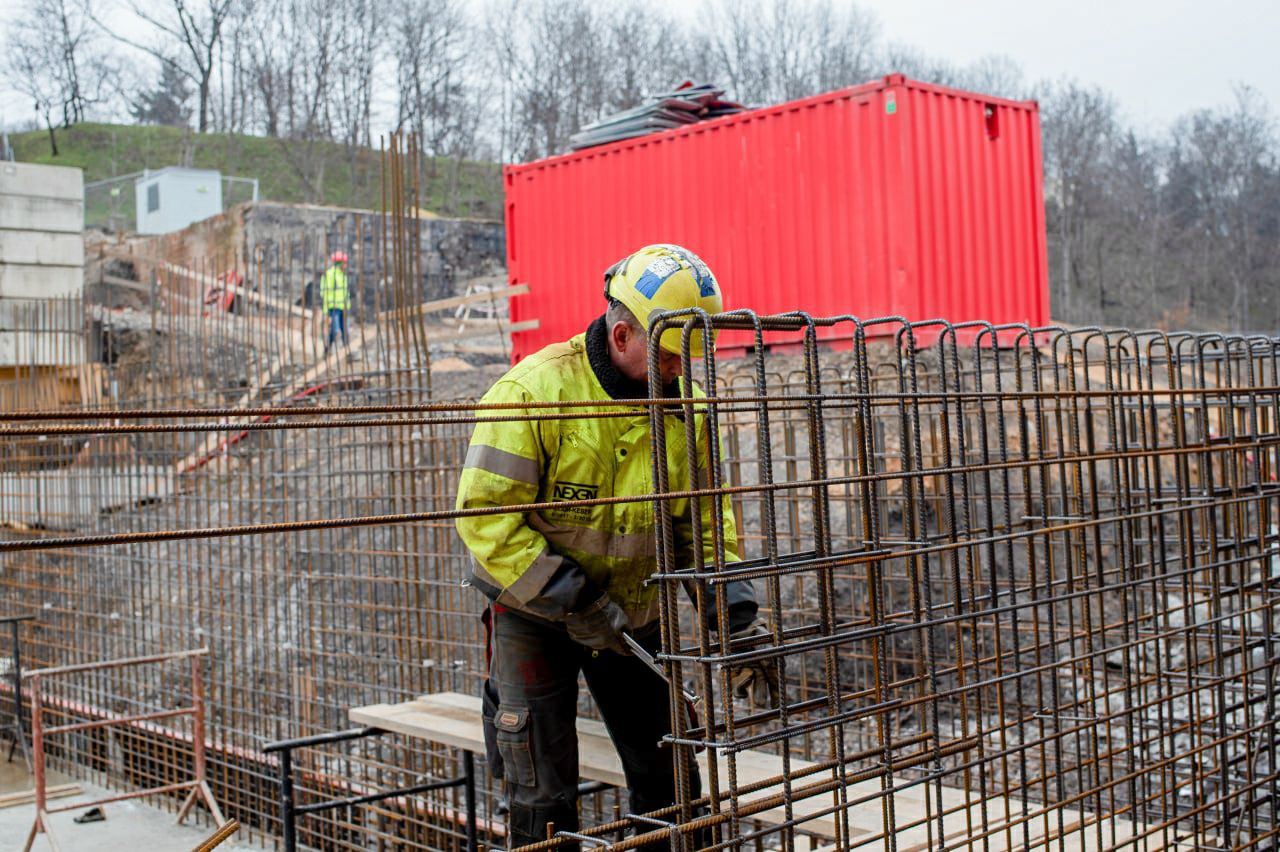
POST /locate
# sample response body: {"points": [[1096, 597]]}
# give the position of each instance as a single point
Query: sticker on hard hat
{"points": [[656, 274], [706, 281]]}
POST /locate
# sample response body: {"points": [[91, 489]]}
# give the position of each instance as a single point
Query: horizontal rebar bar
{"points": [[1019, 586]]}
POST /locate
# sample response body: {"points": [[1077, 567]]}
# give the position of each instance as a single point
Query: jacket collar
{"points": [[614, 382]]}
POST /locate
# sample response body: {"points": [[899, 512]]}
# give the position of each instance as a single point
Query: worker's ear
{"points": [[621, 334]]}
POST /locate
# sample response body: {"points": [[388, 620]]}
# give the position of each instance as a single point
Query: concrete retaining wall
{"points": [[43, 349], [25, 213], [33, 181], [41, 248], [300, 238], [40, 282], [41, 264], [290, 243]]}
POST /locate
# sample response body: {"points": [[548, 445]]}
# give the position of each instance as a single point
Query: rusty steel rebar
{"points": [[1042, 574], [196, 787], [1019, 583], [1033, 569]]}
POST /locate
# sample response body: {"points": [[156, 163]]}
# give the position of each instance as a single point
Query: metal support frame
{"points": [[197, 787], [15, 727], [290, 811]]}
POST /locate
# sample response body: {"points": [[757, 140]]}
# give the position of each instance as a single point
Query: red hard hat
{"points": [[339, 257]]}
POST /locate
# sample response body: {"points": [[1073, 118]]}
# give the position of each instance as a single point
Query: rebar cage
{"points": [[1017, 585]]}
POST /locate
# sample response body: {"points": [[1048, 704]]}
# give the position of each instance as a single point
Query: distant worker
{"points": [[334, 296], [565, 583]]}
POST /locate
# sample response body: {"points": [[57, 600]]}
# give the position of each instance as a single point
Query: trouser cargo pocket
{"points": [[489, 703], [512, 725]]}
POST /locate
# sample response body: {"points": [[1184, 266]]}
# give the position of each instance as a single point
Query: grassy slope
{"points": [[107, 150]]}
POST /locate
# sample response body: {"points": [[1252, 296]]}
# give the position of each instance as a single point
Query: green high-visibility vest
{"points": [[333, 289]]}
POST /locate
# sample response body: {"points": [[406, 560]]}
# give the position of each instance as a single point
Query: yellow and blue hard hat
{"points": [[665, 277]]}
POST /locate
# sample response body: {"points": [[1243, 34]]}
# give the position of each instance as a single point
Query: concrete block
{"points": [[27, 281], [29, 213], [39, 247], [25, 349], [37, 315], [41, 181]]}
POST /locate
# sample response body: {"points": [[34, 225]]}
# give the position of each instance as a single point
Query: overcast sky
{"points": [[1159, 58]]}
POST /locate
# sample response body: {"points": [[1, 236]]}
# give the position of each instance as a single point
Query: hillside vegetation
{"points": [[287, 170]]}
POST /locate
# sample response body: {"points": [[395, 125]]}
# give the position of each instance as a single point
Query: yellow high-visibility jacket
{"points": [[333, 289], [519, 559]]}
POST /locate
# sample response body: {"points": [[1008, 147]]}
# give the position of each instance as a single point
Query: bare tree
{"points": [[1225, 165], [900, 58], [816, 47], [429, 43], [846, 40], [235, 101], [1136, 218], [500, 39], [53, 58], [634, 34], [313, 49], [199, 32], [994, 75], [267, 63], [557, 74], [742, 54], [30, 77], [295, 58], [1079, 125], [360, 33], [767, 51]]}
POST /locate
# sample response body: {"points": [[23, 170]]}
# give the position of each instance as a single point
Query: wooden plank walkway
{"points": [[453, 719]]}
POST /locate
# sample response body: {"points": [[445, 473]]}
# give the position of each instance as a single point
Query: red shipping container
{"points": [[891, 198]]}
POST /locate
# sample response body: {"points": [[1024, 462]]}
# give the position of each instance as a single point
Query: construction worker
{"points": [[333, 297], [566, 583]]}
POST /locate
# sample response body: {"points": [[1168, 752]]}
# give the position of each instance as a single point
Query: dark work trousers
{"points": [[534, 672]]}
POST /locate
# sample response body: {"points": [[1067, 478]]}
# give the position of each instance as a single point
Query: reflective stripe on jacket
{"points": [[518, 557], [333, 289]]}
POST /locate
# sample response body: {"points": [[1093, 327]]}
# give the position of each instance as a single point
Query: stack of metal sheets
{"points": [[687, 104]]}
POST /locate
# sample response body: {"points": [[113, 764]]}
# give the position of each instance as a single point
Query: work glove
{"points": [[757, 680], [599, 625]]}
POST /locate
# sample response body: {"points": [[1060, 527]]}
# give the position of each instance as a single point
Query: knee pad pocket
{"points": [[513, 729]]}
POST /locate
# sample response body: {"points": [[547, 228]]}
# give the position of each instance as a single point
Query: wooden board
{"points": [[26, 797], [254, 296], [477, 328], [455, 302], [454, 719]]}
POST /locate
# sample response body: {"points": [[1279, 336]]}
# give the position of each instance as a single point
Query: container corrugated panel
{"points": [[891, 198]]}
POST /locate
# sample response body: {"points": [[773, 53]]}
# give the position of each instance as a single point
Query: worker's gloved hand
{"points": [[756, 680], [599, 625]]}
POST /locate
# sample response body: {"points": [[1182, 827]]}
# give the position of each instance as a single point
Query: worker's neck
{"points": [[604, 359], [619, 361]]}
